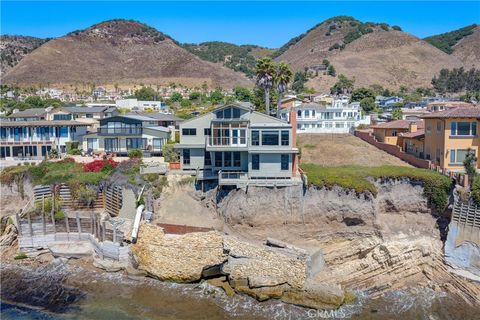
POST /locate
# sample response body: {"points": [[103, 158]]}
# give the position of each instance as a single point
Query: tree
{"points": [[299, 81], [195, 95], [216, 96], [361, 93], [35, 102], [470, 164], [283, 76], [325, 62], [343, 85], [176, 97], [146, 94], [265, 71], [185, 103], [331, 71], [397, 113], [367, 104], [242, 94]]}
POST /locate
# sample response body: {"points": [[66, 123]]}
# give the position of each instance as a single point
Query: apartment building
{"points": [[340, 117], [35, 138], [121, 133], [139, 105], [449, 134], [392, 132], [239, 147]]}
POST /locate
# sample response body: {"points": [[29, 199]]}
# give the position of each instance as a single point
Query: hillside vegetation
{"points": [[14, 48], [447, 41], [436, 186], [238, 58]]}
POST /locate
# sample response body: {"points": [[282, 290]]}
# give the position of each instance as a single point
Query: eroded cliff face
{"points": [[381, 243]]}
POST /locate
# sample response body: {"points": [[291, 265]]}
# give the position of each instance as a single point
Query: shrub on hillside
{"points": [[99, 166], [135, 153]]}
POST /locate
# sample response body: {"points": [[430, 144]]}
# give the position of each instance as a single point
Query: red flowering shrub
{"points": [[100, 165], [67, 160]]}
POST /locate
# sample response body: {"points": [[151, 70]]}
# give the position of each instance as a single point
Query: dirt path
{"points": [[341, 150]]}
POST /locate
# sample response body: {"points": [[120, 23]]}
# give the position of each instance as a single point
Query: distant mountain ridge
{"points": [[123, 51], [119, 51]]}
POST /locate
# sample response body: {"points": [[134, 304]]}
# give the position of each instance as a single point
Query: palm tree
{"points": [[265, 71], [283, 76]]}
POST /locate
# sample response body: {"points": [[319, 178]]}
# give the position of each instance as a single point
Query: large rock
{"points": [[316, 296], [177, 258], [69, 250]]}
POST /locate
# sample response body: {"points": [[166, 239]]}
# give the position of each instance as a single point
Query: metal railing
{"points": [[120, 131], [224, 175], [226, 141]]}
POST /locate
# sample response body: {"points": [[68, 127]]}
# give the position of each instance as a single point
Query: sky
{"points": [[270, 24]]}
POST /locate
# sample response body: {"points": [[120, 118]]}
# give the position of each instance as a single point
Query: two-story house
{"points": [[238, 146], [449, 134], [121, 133], [34, 139], [340, 117]]}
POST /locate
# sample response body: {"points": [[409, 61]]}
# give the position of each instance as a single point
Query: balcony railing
{"points": [[120, 131], [226, 141]]}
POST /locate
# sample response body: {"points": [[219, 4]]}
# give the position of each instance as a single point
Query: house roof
{"points": [[460, 112], [156, 115], [34, 112], [420, 133], [84, 109], [398, 124], [42, 123]]}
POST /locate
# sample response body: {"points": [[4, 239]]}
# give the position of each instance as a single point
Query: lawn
{"points": [[436, 186], [343, 150]]}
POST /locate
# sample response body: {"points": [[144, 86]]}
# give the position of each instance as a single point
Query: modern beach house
{"points": [[239, 147], [121, 133]]}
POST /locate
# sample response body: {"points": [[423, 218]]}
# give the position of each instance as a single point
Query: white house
{"points": [[340, 117], [139, 105]]}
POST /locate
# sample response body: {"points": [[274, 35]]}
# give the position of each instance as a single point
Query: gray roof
{"points": [[34, 112], [136, 117], [157, 116], [84, 109], [158, 128]]}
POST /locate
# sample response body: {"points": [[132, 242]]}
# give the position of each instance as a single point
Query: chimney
{"points": [[412, 127], [293, 122]]}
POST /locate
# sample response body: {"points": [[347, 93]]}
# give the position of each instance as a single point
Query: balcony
{"points": [[119, 131], [242, 179], [226, 142]]}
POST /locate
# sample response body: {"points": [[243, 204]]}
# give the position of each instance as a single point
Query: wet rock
{"points": [[135, 274], [71, 249], [316, 296], [222, 283]]}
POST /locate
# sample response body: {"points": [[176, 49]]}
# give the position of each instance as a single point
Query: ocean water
{"points": [[87, 294]]}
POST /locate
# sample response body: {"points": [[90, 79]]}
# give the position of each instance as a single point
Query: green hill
{"points": [[446, 41]]}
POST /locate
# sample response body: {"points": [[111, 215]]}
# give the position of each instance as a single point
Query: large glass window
{"points": [[207, 159], [285, 138], [157, 143], [207, 131], [463, 128], [270, 138], [136, 143], [255, 138], [284, 161], [111, 144], [186, 156], [62, 117], [236, 113], [236, 159], [218, 159], [458, 155], [92, 143], [227, 159], [255, 162], [189, 132]]}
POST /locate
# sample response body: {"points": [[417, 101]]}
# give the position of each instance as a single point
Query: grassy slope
{"points": [[436, 186]]}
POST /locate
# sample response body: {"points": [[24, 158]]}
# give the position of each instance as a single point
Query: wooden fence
{"points": [[467, 218], [43, 230], [66, 201]]}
